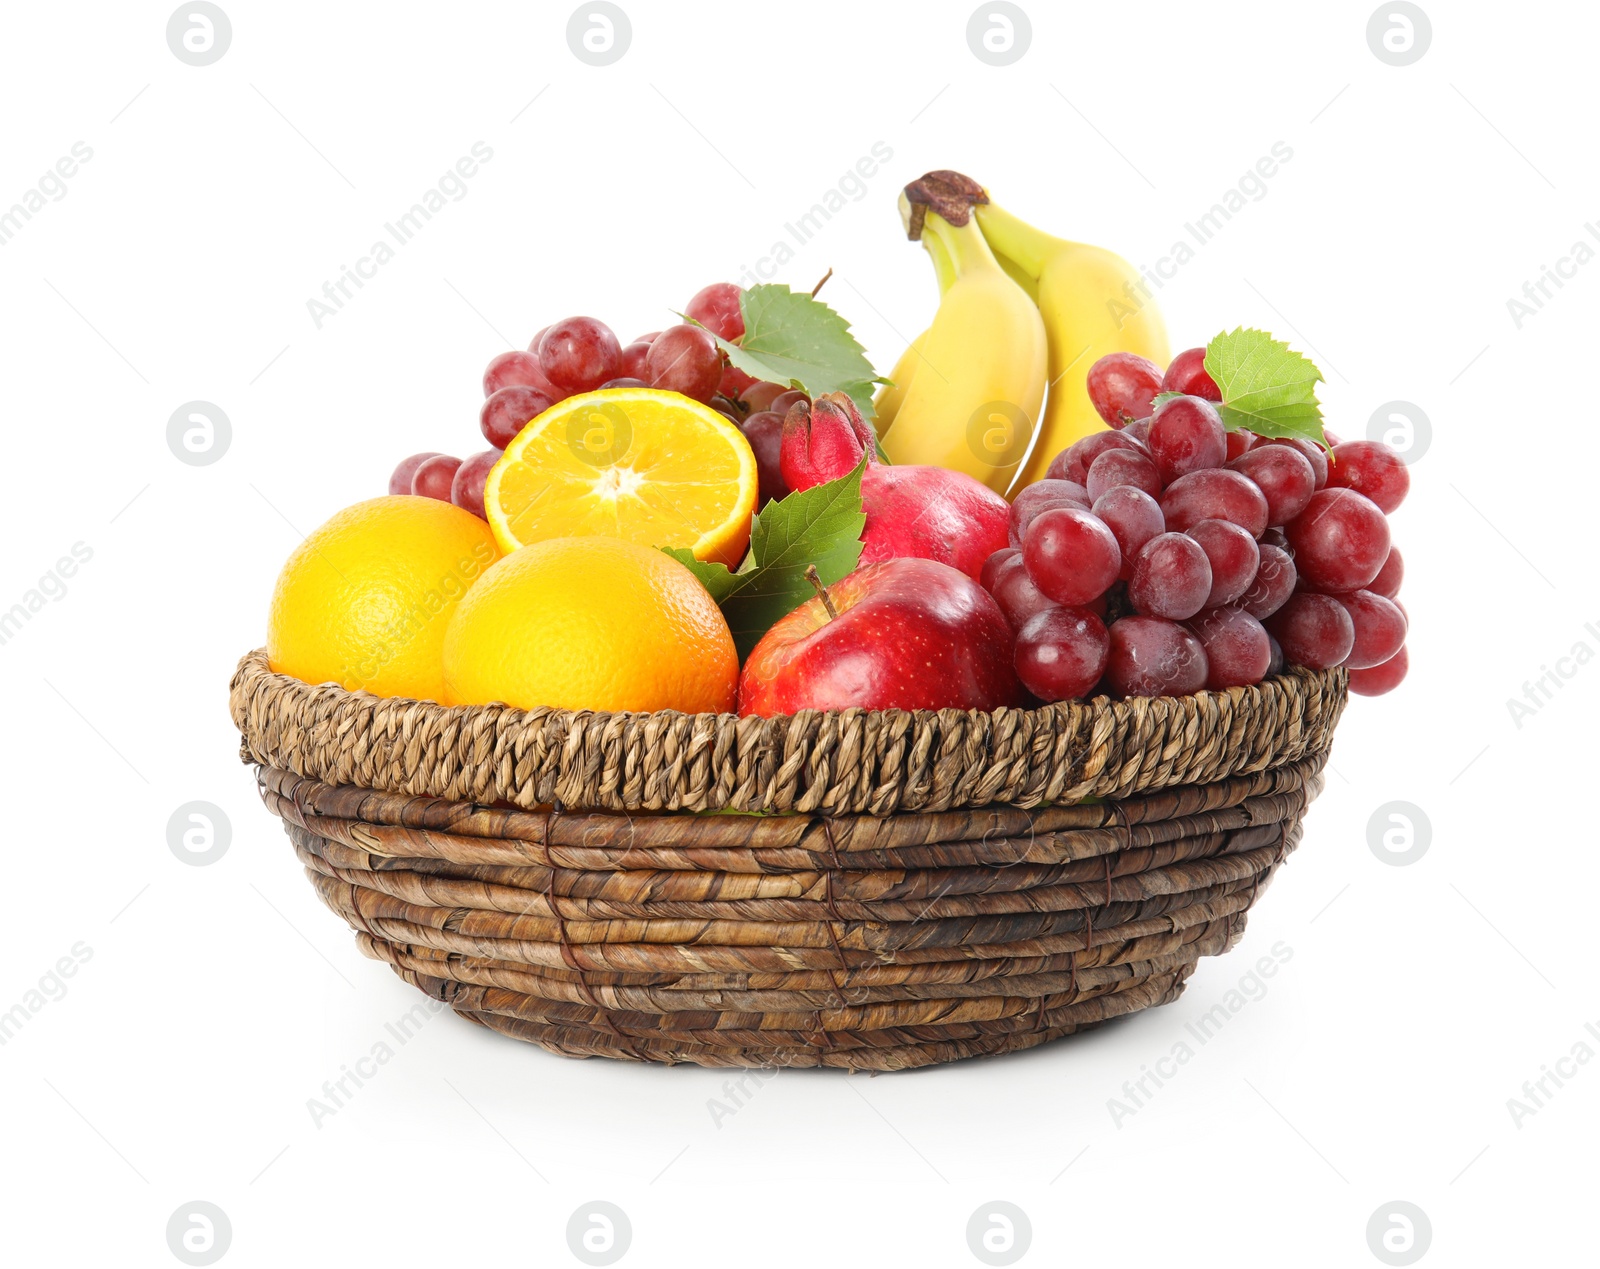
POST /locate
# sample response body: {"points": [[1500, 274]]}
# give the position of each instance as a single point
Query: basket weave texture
{"points": [[920, 887]]}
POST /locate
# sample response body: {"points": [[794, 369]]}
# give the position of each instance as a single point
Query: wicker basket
{"points": [[883, 890]]}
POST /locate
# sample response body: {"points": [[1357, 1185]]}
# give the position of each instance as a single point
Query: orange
{"points": [[646, 466], [590, 623], [364, 601]]}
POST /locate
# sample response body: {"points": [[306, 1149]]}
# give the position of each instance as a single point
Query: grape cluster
{"points": [[1169, 555], [583, 354]]}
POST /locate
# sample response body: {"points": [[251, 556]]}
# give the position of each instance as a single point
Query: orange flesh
{"points": [[648, 467]]}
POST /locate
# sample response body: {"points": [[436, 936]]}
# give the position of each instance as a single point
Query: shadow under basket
{"points": [[867, 890]]}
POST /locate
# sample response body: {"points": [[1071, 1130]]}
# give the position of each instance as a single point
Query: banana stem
{"points": [[964, 245], [1026, 247]]}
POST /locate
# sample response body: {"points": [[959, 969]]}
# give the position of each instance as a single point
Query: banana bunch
{"points": [[1085, 298], [966, 395]]}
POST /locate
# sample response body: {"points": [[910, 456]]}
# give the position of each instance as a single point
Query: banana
{"points": [[887, 403], [972, 401], [1090, 301]]}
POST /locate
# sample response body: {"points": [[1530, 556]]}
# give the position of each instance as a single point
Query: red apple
{"points": [[904, 634]]}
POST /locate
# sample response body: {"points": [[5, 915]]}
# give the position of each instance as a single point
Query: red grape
{"points": [[1233, 556], [734, 381], [466, 489], [1275, 536], [1215, 493], [1186, 435], [1042, 496], [1379, 679], [1133, 518], [1309, 450], [1171, 577], [630, 362], [1073, 462], [787, 400], [1370, 468], [400, 480], [1071, 554], [716, 307], [508, 411], [1340, 541], [1239, 443], [1314, 630], [578, 354], [533, 344], [761, 395], [433, 478], [649, 337], [1121, 385], [684, 359], [514, 369], [1138, 430], [1380, 628], [1238, 652], [1275, 666], [1122, 467], [1061, 653], [1187, 374], [992, 565], [1393, 572], [1273, 584], [1283, 475], [1152, 657], [764, 430], [1014, 591], [625, 382]]}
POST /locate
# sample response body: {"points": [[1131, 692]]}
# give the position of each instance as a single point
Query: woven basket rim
{"points": [[840, 761], [258, 658]]}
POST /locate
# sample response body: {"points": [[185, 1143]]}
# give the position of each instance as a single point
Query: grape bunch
{"points": [[583, 354], [1169, 555]]}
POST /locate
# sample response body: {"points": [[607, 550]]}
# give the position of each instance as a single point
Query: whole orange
{"points": [[590, 623], [365, 600]]}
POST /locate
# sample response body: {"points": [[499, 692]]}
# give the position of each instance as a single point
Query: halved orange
{"points": [[649, 467]]}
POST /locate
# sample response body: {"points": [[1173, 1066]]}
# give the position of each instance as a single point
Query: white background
{"points": [[218, 999]]}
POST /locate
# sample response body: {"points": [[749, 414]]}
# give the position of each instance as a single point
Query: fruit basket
{"points": [[866, 890], [792, 715]]}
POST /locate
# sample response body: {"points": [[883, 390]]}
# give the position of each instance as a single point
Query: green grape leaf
{"points": [[1266, 386], [821, 526], [794, 339]]}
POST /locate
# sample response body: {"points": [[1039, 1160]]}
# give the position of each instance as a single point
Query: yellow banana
{"points": [[973, 400], [1093, 302], [887, 403]]}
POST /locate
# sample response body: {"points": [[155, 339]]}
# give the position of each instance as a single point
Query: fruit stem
{"points": [[964, 245], [815, 578], [1026, 247], [949, 193], [818, 286]]}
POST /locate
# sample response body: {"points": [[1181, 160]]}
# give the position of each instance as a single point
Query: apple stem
{"points": [[815, 579], [818, 286]]}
